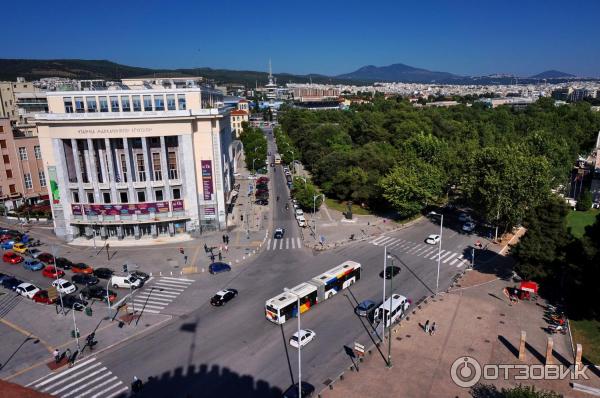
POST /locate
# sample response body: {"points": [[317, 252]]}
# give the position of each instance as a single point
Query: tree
{"points": [[351, 184], [585, 201], [490, 391], [412, 185], [304, 194]]}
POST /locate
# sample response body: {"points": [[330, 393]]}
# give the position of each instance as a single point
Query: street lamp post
{"points": [[107, 297], [54, 251], [299, 345], [293, 164], [389, 358], [437, 279], [315, 210]]}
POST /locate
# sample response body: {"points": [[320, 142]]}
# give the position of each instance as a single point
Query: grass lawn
{"points": [[341, 206], [587, 333], [578, 220]]}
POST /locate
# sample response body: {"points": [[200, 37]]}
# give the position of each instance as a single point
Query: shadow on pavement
{"points": [[205, 381], [508, 345]]}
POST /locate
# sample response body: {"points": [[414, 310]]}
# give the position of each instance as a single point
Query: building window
{"points": [[123, 196], [28, 182], [158, 194], [137, 103], [68, 104], [141, 196], [79, 107], [172, 165], [147, 103], [23, 153], [75, 195], [9, 173], [92, 105], [170, 102], [12, 189], [106, 197], [103, 104], [176, 193], [140, 166], [181, 100], [114, 104], [2, 142], [38, 152], [124, 167], [90, 197], [159, 103], [156, 166], [125, 104], [42, 177]]}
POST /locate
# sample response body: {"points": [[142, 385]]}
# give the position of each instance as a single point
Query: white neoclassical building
{"points": [[130, 162]]}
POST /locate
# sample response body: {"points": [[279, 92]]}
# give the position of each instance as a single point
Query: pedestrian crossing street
{"points": [[422, 250], [87, 379], [284, 244], [159, 292]]}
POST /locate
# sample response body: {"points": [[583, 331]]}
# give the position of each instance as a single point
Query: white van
{"points": [[126, 282], [399, 304], [301, 221]]}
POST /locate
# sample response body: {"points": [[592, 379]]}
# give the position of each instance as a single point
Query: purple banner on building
{"points": [[77, 210], [120, 209], [207, 179], [177, 205]]}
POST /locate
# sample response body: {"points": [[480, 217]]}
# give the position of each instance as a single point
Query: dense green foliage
{"points": [[390, 154], [491, 391], [255, 146], [304, 192], [585, 201]]}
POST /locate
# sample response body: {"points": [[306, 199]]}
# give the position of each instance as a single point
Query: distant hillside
{"points": [[33, 69], [399, 73], [552, 74]]}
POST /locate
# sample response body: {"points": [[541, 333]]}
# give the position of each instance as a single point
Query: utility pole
{"points": [[299, 345], [389, 358]]}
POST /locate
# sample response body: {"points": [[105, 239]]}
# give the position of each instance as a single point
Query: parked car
{"points": [[306, 336], [468, 226], [126, 282], [222, 297], [72, 302], [11, 283], [301, 221], [33, 264], [63, 263], [292, 392], [217, 268], [19, 248], [33, 252], [84, 279], [12, 258], [7, 244], [262, 202], [50, 271], [278, 234], [41, 296], [103, 273], [432, 239], [81, 268], [262, 179], [390, 272], [46, 258], [27, 290], [140, 275], [365, 307], [264, 186], [98, 292], [464, 217], [299, 213], [64, 286]]}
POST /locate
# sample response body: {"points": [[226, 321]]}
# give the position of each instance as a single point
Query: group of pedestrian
{"points": [[429, 328], [226, 239], [71, 356]]}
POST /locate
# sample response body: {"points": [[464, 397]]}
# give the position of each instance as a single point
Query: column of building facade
{"points": [[91, 159], [149, 196], [75, 149], [112, 180], [130, 171], [163, 165], [102, 160]]}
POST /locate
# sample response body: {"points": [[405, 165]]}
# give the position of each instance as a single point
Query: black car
{"points": [[46, 258], [84, 279], [262, 202], [103, 273], [292, 392], [278, 234], [63, 263], [11, 283], [390, 272], [140, 275], [97, 292], [72, 302], [223, 296], [262, 186]]}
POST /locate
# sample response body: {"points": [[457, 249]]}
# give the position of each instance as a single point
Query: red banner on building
{"points": [[177, 205], [207, 179]]}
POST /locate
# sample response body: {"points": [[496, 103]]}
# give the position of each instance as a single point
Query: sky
{"points": [[328, 36]]}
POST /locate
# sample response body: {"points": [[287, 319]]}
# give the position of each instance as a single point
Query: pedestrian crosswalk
{"points": [[284, 244], [158, 293], [424, 250], [87, 379]]}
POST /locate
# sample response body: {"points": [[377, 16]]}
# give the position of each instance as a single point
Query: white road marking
{"points": [[74, 368], [178, 279], [287, 243], [450, 258], [293, 243], [114, 394], [437, 255], [299, 243], [72, 376], [73, 391]]}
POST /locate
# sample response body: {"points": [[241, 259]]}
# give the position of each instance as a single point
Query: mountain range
{"points": [[33, 69]]}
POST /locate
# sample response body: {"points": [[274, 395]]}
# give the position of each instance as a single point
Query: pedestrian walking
{"points": [[205, 248], [56, 355], [220, 256], [432, 329], [185, 259], [224, 238], [212, 257], [227, 239], [72, 358], [427, 326]]}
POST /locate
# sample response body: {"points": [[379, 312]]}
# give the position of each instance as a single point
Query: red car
{"points": [[42, 297], [46, 258], [81, 268], [50, 271], [12, 258]]}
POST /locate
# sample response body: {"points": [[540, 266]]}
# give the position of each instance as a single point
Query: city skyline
{"points": [[331, 39]]}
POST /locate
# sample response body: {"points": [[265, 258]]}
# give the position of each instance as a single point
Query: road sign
{"points": [[359, 348]]}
